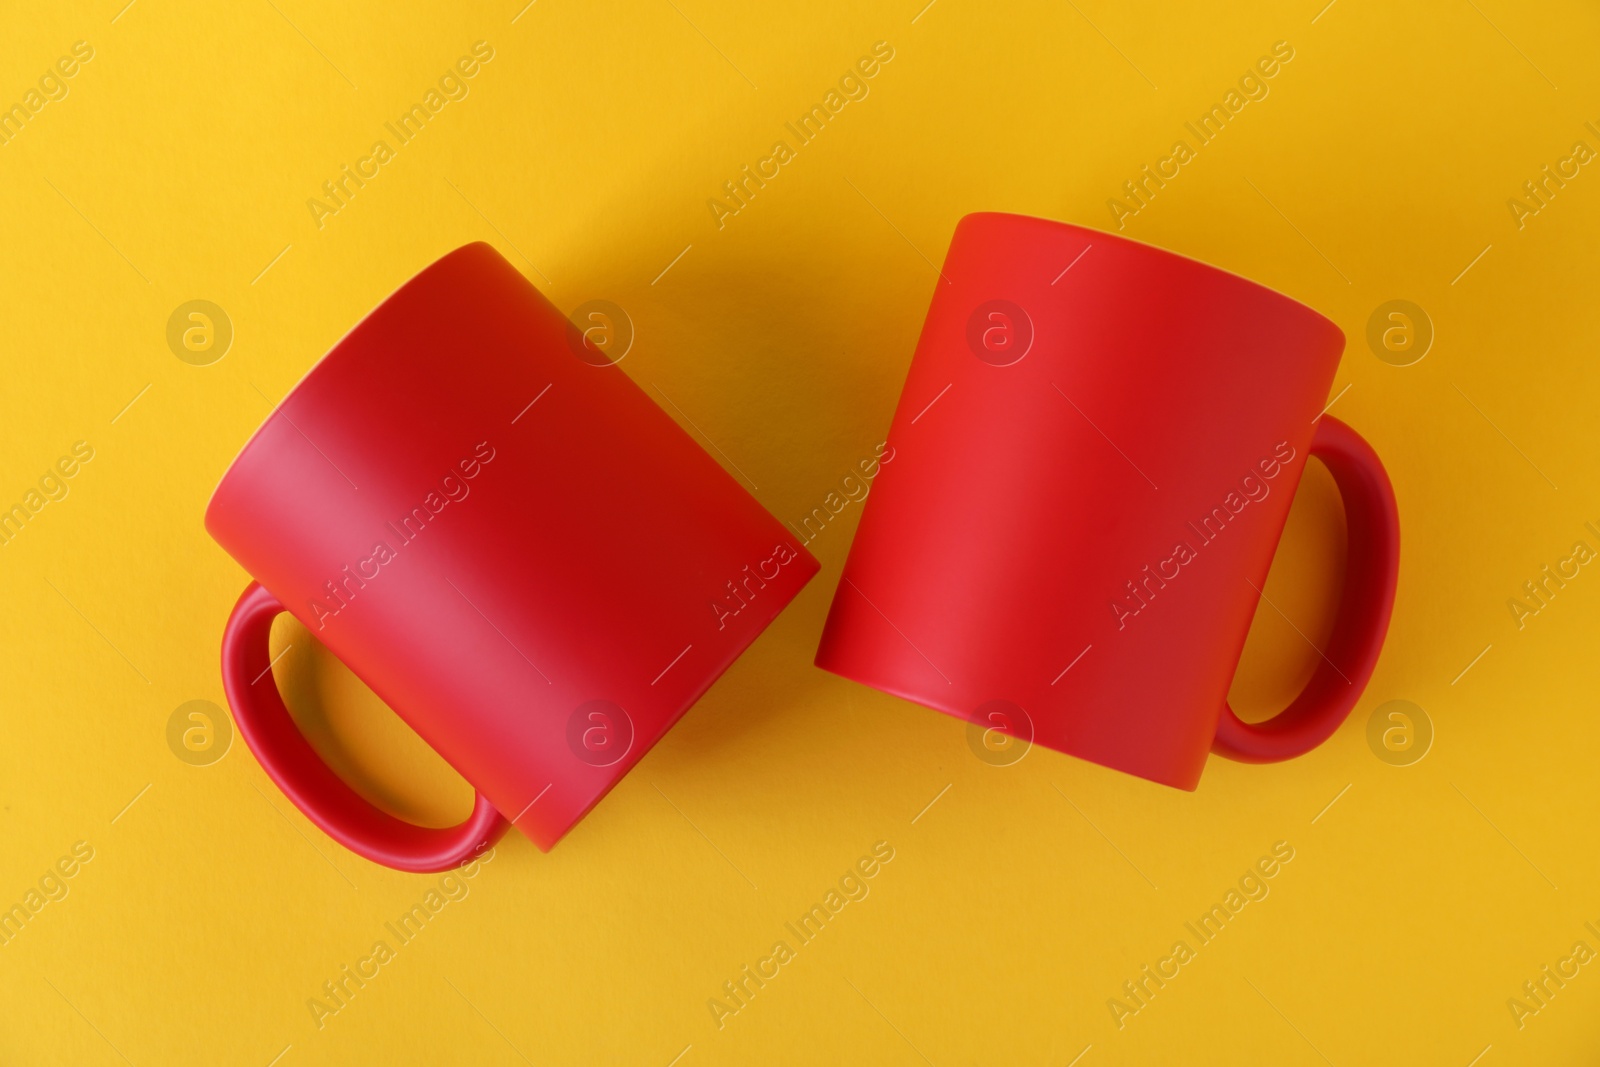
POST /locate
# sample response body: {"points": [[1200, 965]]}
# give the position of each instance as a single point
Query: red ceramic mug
{"points": [[1095, 451], [507, 540]]}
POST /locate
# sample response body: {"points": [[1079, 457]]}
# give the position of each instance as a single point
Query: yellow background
{"points": [[179, 167]]}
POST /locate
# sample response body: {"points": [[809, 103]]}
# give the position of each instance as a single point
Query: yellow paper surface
{"points": [[1376, 165]]}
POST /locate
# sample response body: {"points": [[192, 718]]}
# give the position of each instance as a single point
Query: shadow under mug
{"points": [[495, 529], [1095, 452]]}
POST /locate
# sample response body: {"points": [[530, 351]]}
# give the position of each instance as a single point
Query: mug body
{"points": [[1095, 451], [505, 538]]}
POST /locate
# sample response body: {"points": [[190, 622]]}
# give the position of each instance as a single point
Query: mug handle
{"points": [[1373, 562], [315, 789]]}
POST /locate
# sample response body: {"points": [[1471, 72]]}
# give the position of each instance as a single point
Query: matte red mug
{"points": [[483, 517], [1095, 452]]}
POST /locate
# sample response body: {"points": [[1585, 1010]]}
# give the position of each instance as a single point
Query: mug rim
{"points": [[987, 218], [304, 382]]}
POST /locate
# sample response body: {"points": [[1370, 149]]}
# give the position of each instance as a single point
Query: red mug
{"points": [[482, 516], [1095, 452]]}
